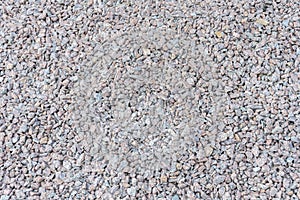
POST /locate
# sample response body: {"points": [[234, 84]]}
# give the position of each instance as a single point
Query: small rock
{"points": [[80, 159], [173, 167], [277, 130], [255, 151], [15, 139], [223, 136], [261, 161], [20, 194], [227, 196], [239, 157], [4, 197], [273, 191], [179, 166], [286, 22], [97, 97], [77, 184], [208, 150], [146, 51], [249, 155], [237, 137], [190, 81], [131, 191], [219, 179], [23, 128], [219, 34], [74, 78], [222, 191], [94, 149], [256, 169], [10, 66], [262, 22], [175, 197], [163, 179], [44, 140], [122, 165], [295, 139], [290, 159], [286, 183], [67, 165]]}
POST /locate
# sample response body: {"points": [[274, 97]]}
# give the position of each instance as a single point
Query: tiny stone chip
{"points": [[219, 179], [44, 140], [163, 179], [175, 197], [219, 34], [131, 191], [277, 130], [262, 22], [208, 150]]}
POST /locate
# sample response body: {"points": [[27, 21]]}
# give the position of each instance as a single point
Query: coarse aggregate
{"points": [[149, 99]]}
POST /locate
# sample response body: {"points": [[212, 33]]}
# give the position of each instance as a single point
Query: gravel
{"points": [[149, 100]]}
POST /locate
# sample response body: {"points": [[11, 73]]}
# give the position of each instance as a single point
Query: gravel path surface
{"points": [[149, 100]]}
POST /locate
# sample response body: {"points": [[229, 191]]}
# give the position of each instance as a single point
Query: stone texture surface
{"points": [[149, 99]]}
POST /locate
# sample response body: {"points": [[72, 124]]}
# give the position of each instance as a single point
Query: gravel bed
{"points": [[149, 100]]}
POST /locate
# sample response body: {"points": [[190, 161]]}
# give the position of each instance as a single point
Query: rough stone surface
{"points": [[149, 99]]}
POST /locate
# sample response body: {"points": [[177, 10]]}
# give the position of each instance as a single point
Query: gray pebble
{"points": [[219, 179], [4, 197], [290, 159], [286, 22], [15, 139], [277, 130], [23, 128], [261, 161], [67, 165], [256, 169], [175, 197], [273, 191], [131, 191]]}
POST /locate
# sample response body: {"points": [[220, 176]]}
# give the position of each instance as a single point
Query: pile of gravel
{"points": [[140, 98], [149, 100]]}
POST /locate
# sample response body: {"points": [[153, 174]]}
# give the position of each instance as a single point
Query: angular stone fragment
{"points": [[44, 140], [277, 130], [208, 150], [219, 34], [262, 22], [163, 179], [131, 191], [219, 179]]}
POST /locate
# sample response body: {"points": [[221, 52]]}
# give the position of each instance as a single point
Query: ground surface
{"points": [[149, 100]]}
